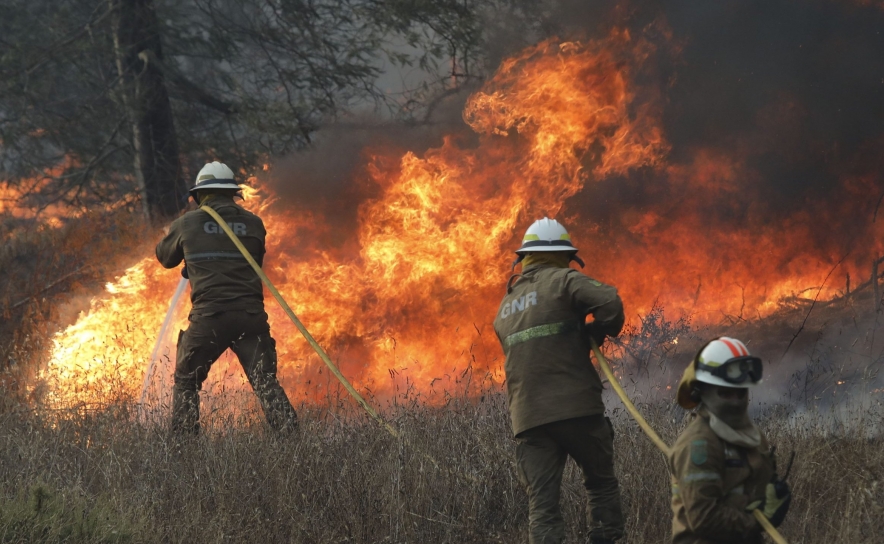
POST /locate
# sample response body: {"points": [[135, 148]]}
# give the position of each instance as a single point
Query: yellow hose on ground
{"points": [[373, 413], [655, 438], [310, 340]]}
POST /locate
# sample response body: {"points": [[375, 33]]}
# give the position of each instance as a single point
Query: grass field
{"points": [[95, 476]]}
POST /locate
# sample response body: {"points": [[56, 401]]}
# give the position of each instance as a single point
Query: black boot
{"points": [[185, 411], [280, 414]]}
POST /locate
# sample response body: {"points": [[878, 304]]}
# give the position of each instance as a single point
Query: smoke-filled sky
{"points": [[790, 92], [771, 115]]}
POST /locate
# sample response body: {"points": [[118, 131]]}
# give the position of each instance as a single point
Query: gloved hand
{"points": [[184, 272], [777, 498], [594, 332], [775, 504]]}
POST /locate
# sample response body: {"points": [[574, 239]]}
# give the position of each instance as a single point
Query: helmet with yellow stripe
{"points": [[546, 235], [723, 361], [215, 177]]}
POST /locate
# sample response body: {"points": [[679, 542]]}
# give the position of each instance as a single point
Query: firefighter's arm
{"points": [[601, 301], [170, 250], [698, 466], [259, 258]]}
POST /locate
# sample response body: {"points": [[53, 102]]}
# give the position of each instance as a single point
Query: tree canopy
{"points": [[122, 100]]}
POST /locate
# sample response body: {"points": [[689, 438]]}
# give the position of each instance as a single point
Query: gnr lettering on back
{"points": [[519, 304], [210, 227]]}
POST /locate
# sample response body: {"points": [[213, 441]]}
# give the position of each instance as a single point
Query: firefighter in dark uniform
{"points": [[553, 390], [721, 466], [227, 301]]}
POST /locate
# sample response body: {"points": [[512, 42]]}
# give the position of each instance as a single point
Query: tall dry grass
{"points": [[95, 475], [449, 478]]}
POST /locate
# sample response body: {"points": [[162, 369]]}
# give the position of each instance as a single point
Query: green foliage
{"points": [[42, 515]]}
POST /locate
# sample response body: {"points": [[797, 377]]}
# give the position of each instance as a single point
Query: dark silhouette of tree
{"points": [[122, 101]]}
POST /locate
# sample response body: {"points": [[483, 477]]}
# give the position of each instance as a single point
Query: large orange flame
{"points": [[411, 306]]}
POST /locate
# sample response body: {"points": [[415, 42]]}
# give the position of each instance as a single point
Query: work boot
{"points": [[185, 411], [280, 414]]}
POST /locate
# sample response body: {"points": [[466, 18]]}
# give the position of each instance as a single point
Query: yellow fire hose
{"points": [[655, 438], [310, 340], [313, 343], [371, 411]]}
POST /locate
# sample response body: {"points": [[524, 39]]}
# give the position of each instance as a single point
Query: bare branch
{"points": [[189, 88], [49, 286], [801, 328]]}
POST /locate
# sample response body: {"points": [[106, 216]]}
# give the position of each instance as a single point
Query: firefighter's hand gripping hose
{"points": [[655, 438], [310, 340]]}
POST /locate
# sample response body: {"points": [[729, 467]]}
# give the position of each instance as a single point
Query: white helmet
{"points": [[546, 235], [214, 175], [723, 361]]}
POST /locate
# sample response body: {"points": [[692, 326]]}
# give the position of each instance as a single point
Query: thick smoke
{"points": [[791, 93], [772, 110]]}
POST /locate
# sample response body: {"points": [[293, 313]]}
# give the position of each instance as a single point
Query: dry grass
{"points": [[449, 478], [342, 479]]}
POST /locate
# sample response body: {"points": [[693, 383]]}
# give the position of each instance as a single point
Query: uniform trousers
{"points": [[247, 333], [541, 453]]}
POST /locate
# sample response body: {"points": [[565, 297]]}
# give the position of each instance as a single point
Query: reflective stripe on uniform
{"points": [[540, 331], [702, 477], [225, 255]]}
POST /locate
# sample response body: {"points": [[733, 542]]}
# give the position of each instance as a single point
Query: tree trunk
{"points": [[146, 100]]}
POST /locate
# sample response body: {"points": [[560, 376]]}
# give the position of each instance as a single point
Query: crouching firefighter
{"points": [[553, 390], [722, 466], [227, 301]]}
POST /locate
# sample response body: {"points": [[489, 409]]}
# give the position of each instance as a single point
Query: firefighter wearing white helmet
{"points": [[554, 393], [214, 178], [544, 236], [227, 301], [721, 465]]}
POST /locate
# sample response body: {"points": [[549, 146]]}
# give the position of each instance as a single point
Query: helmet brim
{"points": [[542, 249], [216, 184]]}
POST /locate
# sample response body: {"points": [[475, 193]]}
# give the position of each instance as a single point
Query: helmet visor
{"points": [[737, 370]]}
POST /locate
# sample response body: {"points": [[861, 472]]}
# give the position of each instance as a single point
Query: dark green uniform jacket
{"points": [[220, 277], [540, 324], [712, 483]]}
